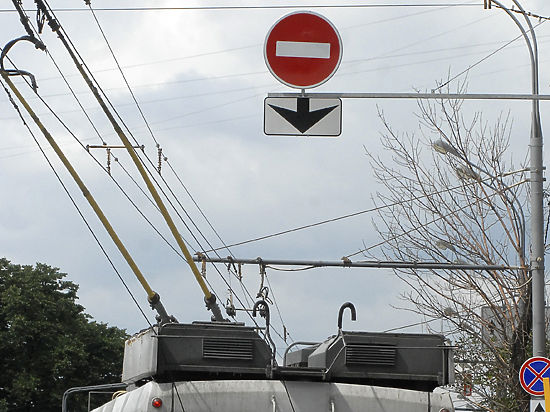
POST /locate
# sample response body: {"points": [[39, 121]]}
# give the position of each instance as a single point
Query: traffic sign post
{"points": [[303, 50]]}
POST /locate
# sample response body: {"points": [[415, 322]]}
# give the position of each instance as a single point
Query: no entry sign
{"points": [[531, 373], [303, 50]]}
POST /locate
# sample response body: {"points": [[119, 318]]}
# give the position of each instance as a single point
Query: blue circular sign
{"points": [[532, 373]]}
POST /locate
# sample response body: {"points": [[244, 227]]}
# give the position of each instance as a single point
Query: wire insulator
{"points": [[160, 158]]}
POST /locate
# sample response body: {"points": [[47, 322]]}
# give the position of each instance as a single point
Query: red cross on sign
{"points": [[531, 374]]}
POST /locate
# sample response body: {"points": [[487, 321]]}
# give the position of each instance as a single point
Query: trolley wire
{"points": [[267, 7], [104, 251], [484, 58], [341, 217], [158, 145], [161, 188], [504, 46]]}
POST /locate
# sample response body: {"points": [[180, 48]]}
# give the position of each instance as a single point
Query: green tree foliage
{"points": [[47, 342]]}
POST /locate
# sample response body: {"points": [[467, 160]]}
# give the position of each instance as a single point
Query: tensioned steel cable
{"points": [[123, 75], [104, 251], [483, 59], [414, 229], [136, 207], [293, 6], [150, 173], [342, 217], [212, 305], [93, 126], [247, 74], [155, 140]]}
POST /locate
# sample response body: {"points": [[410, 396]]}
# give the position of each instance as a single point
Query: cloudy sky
{"points": [[200, 78]]}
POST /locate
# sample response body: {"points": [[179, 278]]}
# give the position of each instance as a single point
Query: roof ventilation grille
{"points": [[241, 349], [367, 354]]}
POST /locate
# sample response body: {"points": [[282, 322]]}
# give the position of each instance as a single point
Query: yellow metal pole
{"points": [[209, 297], [546, 383], [152, 296]]}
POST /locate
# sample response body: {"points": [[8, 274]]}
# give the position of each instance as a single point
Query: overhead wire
{"points": [[269, 7], [178, 178], [124, 192], [341, 217], [32, 33], [483, 59], [253, 87], [257, 45], [69, 131], [102, 248], [152, 134], [100, 89], [122, 74], [74, 136], [93, 126], [539, 23]]}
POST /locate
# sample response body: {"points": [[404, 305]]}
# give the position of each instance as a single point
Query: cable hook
{"points": [[264, 294], [40, 20], [16, 72], [202, 257], [341, 313], [264, 312], [229, 306]]}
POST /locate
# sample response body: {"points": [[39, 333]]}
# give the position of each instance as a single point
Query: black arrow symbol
{"points": [[302, 119], [539, 408]]}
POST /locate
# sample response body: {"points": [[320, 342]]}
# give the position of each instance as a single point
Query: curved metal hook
{"points": [[15, 72], [265, 314], [341, 313]]}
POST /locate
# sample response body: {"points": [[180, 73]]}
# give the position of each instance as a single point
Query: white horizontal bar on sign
{"points": [[302, 49]]}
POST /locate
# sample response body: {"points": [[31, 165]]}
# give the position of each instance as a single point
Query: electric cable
{"points": [[410, 325], [157, 183], [81, 63], [140, 111], [483, 59], [104, 251], [93, 125], [525, 14], [285, 331], [294, 6], [155, 140], [385, 56], [65, 126], [335, 219], [122, 73], [35, 33]]}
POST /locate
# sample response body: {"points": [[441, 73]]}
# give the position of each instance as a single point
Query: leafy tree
{"points": [[465, 206], [47, 343]]}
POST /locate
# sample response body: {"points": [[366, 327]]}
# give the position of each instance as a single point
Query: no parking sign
{"points": [[531, 374]]}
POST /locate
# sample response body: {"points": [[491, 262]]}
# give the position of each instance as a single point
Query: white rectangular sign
{"points": [[537, 405], [302, 116]]}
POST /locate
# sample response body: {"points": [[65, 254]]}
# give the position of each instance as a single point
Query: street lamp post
{"points": [[536, 179], [467, 172]]}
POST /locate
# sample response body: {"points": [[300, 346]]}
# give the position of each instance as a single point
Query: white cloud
{"points": [[198, 70]]}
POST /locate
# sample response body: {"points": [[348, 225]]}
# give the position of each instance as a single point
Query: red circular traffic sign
{"points": [[532, 373], [303, 49]]}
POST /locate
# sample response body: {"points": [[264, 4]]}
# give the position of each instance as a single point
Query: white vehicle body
{"points": [[275, 396]]}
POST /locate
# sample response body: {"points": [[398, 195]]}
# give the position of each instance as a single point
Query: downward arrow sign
{"points": [[302, 119]]}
